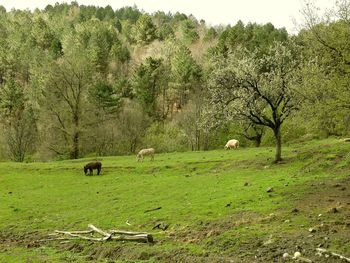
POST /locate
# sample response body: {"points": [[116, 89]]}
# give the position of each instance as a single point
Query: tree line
{"points": [[80, 80]]}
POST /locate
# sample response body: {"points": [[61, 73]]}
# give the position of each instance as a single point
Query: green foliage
{"points": [[178, 17], [144, 30], [105, 13], [252, 36], [165, 137], [64, 95], [98, 39], [132, 124], [184, 67], [325, 42], [163, 22], [18, 121], [12, 100], [189, 32], [56, 48], [131, 14], [165, 31], [123, 87], [105, 97], [86, 13], [42, 50], [41, 33], [146, 83], [119, 53], [118, 25], [210, 34], [262, 91], [185, 73], [2, 10], [189, 122]]}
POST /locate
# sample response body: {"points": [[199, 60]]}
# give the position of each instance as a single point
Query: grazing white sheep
{"points": [[232, 144], [145, 152]]}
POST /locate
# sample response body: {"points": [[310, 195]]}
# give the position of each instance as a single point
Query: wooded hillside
{"points": [[81, 80]]}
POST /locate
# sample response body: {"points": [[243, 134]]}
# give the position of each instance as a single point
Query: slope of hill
{"points": [[215, 205]]}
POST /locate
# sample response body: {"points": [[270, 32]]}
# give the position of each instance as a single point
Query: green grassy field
{"points": [[215, 204]]}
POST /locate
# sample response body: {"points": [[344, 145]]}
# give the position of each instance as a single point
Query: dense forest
{"points": [[81, 81]]}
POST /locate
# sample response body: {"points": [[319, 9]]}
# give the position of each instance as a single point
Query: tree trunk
{"points": [[277, 132], [198, 135], [206, 142], [75, 147], [133, 145], [258, 140]]}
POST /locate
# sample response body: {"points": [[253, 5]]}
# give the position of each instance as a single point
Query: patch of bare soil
{"points": [[182, 255], [326, 211], [214, 228], [319, 219], [8, 240]]}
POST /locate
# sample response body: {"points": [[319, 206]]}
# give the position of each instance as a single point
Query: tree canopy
{"points": [[80, 80]]}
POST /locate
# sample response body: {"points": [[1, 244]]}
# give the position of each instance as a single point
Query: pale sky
{"points": [[281, 13]]}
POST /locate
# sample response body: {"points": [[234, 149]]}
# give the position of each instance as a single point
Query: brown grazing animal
{"points": [[91, 166]]}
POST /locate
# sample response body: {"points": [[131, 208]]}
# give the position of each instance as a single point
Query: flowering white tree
{"points": [[259, 89]]}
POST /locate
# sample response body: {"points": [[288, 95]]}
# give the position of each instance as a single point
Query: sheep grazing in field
{"points": [[91, 166], [145, 152], [232, 144]]}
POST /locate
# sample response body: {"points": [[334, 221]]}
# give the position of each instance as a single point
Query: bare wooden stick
{"points": [[82, 231], [153, 209], [141, 238], [322, 250], [107, 235], [130, 233], [111, 234], [73, 232], [79, 236]]}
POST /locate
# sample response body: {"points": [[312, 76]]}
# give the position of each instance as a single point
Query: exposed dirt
{"points": [[325, 208], [28, 240]]}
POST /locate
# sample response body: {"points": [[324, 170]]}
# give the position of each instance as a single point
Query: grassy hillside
{"points": [[215, 203]]}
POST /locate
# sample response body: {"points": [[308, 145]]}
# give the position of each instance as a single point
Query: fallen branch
{"points": [[140, 238], [103, 233], [106, 235], [126, 232], [153, 209], [79, 236], [82, 232], [161, 226], [322, 250]]}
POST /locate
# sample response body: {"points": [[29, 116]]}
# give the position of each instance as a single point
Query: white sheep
{"points": [[232, 144], [145, 152]]}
